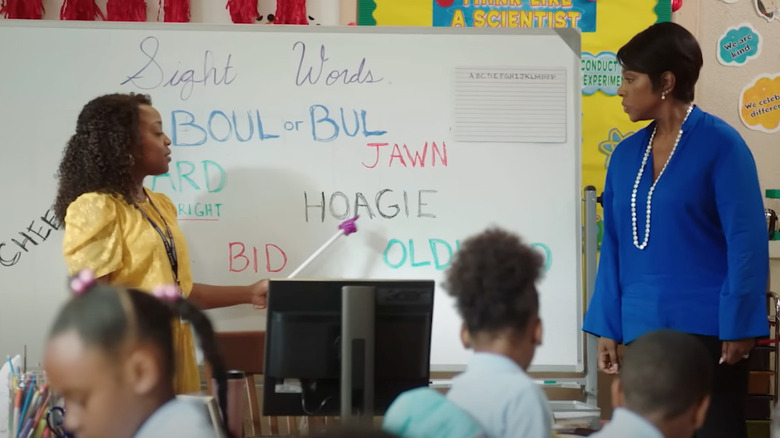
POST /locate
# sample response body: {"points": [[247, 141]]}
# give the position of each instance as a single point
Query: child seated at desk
{"points": [[110, 355], [663, 390], [493, 280]]}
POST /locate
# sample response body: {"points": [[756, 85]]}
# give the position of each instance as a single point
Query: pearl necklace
{"points": [[643, 245]]}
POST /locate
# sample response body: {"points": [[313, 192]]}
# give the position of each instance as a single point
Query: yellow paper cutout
{"points": [[759, 104], [403, 13]]}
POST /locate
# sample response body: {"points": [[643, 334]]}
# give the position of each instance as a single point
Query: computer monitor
{"points": [[303, 349]]}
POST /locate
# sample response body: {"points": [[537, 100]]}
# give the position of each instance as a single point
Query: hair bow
{"points": [[82, 281], [166, 292]]}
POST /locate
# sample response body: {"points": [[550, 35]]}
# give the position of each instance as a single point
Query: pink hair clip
{"points": [[166, 292], [82, 281]]}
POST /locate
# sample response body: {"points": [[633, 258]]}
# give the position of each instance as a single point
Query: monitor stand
{"points": [[357, 353]]}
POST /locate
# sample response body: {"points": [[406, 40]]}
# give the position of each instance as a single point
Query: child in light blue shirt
{"points": [[663, 390], [493, 280]]}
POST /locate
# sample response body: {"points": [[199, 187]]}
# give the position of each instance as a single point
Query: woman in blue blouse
{"points": [[685, 242]]}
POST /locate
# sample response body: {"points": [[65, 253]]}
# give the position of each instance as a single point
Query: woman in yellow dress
{"points": [[125, 233]]}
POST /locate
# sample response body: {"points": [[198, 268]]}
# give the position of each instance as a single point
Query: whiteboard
{"points": [[280, 133]]}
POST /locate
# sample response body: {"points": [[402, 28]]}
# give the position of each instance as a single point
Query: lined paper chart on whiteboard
{"points": [[510, 105]]}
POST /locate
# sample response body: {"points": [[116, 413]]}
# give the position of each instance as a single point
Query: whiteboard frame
{"points": [[571, 37]]}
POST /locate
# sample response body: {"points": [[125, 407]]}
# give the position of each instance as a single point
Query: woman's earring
{"points": [[663, 95]]}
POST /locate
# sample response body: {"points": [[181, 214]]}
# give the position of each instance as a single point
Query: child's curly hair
{"points": [[493, 280]]}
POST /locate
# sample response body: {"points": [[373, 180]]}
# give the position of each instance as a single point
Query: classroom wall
{"points": [[720, 86]]}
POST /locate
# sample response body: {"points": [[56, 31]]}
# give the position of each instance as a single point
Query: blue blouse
{"points": [[705, 269]]}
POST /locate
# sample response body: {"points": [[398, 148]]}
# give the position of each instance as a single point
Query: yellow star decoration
{"points": [[608, 146]]}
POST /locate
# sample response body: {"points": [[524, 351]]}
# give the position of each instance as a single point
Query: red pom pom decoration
{"points": [[22, 9], [176, 11], [85, 10], [126, 10], [291, 12], [243, 11]]}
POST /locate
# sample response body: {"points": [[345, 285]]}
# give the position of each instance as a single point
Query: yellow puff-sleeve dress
{"points": [[106, 234]]}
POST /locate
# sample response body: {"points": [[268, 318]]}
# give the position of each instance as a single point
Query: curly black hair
{"points": [[493, 280], [99, 157]]}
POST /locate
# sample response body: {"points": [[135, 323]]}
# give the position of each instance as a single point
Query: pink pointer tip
{"points": [[348, 226]]}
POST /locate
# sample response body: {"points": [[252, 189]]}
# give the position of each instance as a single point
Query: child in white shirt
{"points": [[493, 280]]}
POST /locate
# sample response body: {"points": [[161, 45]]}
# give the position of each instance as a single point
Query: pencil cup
{"points": [[28, 402]]}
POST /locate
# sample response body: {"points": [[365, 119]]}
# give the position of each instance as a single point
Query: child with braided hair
{"points": [[110, 355]]}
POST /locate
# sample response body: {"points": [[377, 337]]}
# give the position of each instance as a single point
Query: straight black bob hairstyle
{"points": [[665, 47]]}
